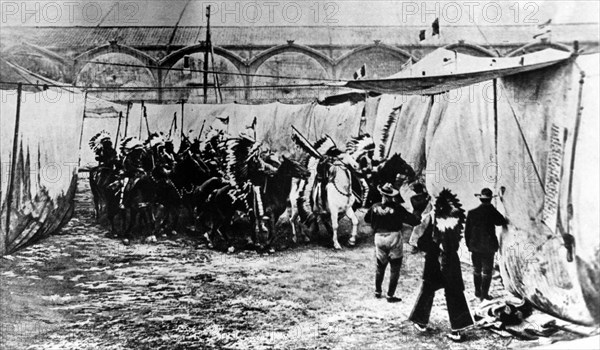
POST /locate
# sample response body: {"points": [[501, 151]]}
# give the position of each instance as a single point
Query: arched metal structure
{"points": [[538, 46], [470, 49], [391, 49], [170, 60], [401, 55], [325, 62], [113, 47]]}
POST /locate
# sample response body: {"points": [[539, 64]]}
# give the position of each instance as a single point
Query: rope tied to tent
{"points": [[535, 168]]}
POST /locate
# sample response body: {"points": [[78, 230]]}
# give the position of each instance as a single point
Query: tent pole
{"points": [[141, 120], [182, 106], [537, 173], [126, 120], [496, 136], [13, 165], [118, 128], [82, 122], [572, 167]]}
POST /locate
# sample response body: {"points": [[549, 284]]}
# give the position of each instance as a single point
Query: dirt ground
{"points": [[81, 290]]}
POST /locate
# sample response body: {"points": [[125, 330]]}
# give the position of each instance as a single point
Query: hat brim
{"points": [[484, 197], [394, 193]]}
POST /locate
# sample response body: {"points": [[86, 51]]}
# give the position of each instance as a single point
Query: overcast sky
{"points": [[293, 13]]}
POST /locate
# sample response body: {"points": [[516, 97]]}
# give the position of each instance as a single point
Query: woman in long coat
{"points": [[441, 240]]}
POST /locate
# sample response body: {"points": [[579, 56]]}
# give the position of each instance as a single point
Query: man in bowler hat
{"points": [[480, 237], [386, 219]]}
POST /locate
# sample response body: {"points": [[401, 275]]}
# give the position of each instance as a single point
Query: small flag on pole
{"points": [[435, 27], [359, 74], [253, 125], [224, 120], [543, 29]]}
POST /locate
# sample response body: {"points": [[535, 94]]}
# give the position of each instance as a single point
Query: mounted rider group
{"points": [[221, 181]]}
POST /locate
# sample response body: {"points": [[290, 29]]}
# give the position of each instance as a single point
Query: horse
{"points": [[188, 173], [340, 198], [140, 201], [104, 183], [222, 205], [394, 170], [277, 189]]}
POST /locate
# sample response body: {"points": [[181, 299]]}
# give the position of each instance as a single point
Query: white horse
{"points": [[305, 197], [340, 197]]}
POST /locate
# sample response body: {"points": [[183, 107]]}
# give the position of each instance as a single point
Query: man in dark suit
{"points": [[480, 237]]}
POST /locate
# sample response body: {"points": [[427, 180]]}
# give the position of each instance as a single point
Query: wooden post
{"points": [[141, 120], [82, 123], [496, 136], [572, 167], [126, 120], [146, 118], [182, 125], [119, 128], [206, 48], [11, 183]]}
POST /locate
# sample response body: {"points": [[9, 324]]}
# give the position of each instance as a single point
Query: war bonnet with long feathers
{"points": [[449, 218], [96, 141], [358, 146], [238, 151], [388, 131]]}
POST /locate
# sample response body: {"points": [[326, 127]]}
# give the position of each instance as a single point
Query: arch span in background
{"points": [[325, 62], [471, 49], [537, 46], [145, 59], [170, 60], [390, 61]]}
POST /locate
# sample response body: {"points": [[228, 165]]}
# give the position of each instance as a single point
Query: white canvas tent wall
{"points": [[45, 167], [456, 140]]}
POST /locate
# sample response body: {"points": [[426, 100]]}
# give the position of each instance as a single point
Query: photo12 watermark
{"points": [[136, 12]]}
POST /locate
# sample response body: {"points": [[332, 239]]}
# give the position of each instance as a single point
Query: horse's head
{"points": [[396, 169], [292, 168], [349, 161]]}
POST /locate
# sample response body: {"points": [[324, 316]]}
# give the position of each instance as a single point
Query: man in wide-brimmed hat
{"points": [[480, 237], [386, 219]]}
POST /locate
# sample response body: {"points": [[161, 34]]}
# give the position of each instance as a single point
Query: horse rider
{"points": [[133, 152], [103, 148], [386, 219], [480, 237], [255, 179]]}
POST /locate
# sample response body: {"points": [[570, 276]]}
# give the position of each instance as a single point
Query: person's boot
{"points": [[486, 280], [477, 283]]}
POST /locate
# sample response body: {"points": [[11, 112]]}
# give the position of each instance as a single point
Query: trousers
{"points": [[388, 250], [458, 309]]}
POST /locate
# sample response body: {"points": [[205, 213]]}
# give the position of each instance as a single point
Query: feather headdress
{"points": [[96, 141], [388, 130], [449, 218], [236, 157], [156, 140], [130, 143], [358, 146], [326, 146]]}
